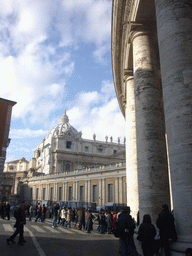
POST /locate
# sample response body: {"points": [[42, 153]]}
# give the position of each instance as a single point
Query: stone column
{"points": [[40, 192], [89, 191], [76, 189], [116, 191], [150, 127], [65, 195], [131, 149], [100, 193], [47, 192], [63, 192], [86, 191], [55, 192], [174, 29], [103, 192], [121, 190]]}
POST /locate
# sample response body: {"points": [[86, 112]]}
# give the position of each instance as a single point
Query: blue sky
{"points": [[56, 55]]}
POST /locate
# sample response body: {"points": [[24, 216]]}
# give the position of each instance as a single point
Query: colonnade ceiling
{"points": [[127, 15]]}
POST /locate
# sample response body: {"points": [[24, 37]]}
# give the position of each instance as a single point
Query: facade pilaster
{"points": [[116, 190], [47, 192], [120, 190], [174, 30], [152, 165], [103, 192], [89, 191], [131, 148], [63, 190], [86, 191], [55, 192], [100, 194], [74, 190], [65, 194]]}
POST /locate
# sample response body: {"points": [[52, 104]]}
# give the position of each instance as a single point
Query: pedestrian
{"points": [[188, 252], [7, 210], [20, 216], [165, 223], [69, 217], [30, 212], [146, 235], [39, 212], [43, 213], [55, 214], [114, 221], [126, 226], [59, 215], [109, 223], [89, 221], [63, 216], [81, 218], [102, 222]]}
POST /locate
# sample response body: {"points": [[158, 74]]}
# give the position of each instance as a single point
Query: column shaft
{"points": [[150, 128], [131, 149], [174, 29]]}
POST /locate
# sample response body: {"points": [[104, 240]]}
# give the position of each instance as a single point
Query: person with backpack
{"points": [[125, 226], [20, 217]]}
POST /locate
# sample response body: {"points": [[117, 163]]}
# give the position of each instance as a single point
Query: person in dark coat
{"points": [[7, 210], [147, 234], [89, 221], [55, 214], [165, 223], [20, 222], [125, 227], [109, 223]]}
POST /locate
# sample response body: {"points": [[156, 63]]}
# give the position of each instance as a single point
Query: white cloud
{"points": [[24, 133]]}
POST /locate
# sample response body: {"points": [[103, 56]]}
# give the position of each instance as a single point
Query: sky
{"points": [[55, 55]]}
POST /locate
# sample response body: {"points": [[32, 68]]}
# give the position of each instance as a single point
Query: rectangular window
{"points": [[100, 150], [110, 193], [70, 193], [81, 196], [94, 193], [37, 193], [44, 190], [7, 188], [51, 194], [8, 182], [60, 193], [86, 149], [114, 152], [68, 144]]}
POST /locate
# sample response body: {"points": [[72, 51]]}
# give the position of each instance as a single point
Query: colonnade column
{"points": [[47, 192], [131, 148], [89, 191], [103, 192], [174, 29], [65, 194], [116, 191], [152, 165], [55, 192], [121, 190], [100, 195], [86, 191]]}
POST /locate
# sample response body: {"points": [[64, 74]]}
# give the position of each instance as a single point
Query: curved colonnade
{"points": [[152, 70]]}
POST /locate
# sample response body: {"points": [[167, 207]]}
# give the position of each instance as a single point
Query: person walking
{"points": [[55, 214], [39, 212], [126, 226], [89, 221], [146, 235], [69, 217], [20, 216], [165, 223], [30, 212], [7, 210], [43, 213]]}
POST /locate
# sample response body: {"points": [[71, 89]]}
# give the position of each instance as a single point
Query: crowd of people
{"points": [[5, 210], [121, 224]]}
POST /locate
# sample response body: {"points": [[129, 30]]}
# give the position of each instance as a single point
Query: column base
{"points": [[178, 248]]}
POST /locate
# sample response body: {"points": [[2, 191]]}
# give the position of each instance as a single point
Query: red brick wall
{"points": [[3, 116]]}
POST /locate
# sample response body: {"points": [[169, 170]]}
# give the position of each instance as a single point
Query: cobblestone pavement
{"points": [[44, 240]]}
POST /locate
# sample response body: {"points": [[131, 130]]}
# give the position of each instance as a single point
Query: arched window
{"points": [[67, 167]]}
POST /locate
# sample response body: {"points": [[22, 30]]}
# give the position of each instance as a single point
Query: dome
{"points": [[63, 128]]}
